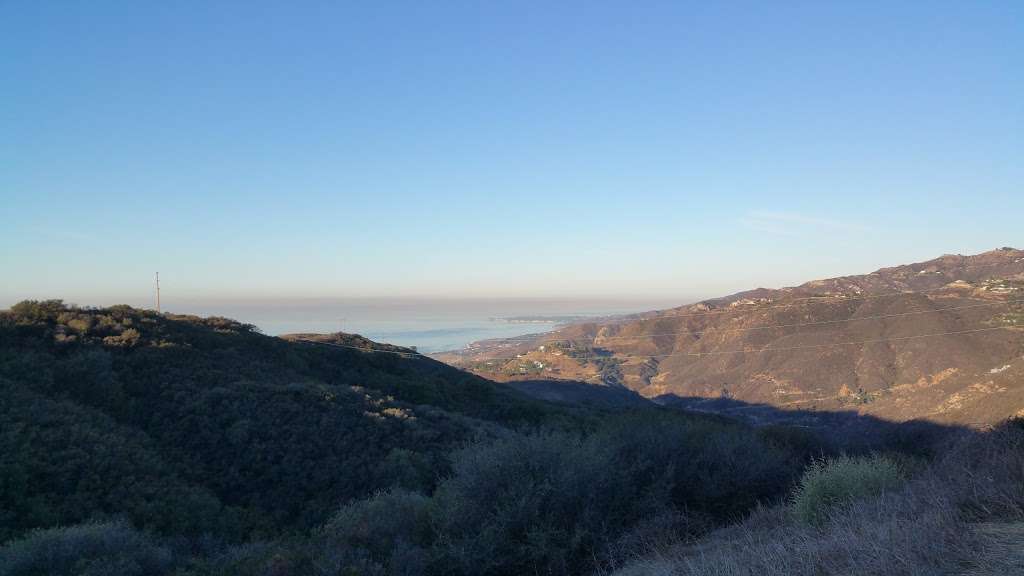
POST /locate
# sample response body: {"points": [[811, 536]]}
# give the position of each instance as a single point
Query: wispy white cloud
{"points": [[794, 223]]}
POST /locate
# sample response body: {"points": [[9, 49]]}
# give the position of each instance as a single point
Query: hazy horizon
{"points": [[430, 324], [583, 216], [187, 301]]}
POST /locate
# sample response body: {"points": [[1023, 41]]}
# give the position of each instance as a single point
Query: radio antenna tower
{"points": [[157, 292]]}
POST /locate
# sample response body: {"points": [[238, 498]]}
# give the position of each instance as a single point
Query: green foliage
{"points": [[829, 484], [389, 533], [34, 311], [188, 425], [802, 441], [555, 502], [235, 445], [87, 376], [259, 558], [64, 463], [107, 549]]}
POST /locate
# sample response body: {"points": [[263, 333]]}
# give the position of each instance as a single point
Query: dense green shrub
{"points": [[558, 502], [803, 442], [389, 533], [188, 425], [95, 549], [236, 444], [62, 463], [835, 481], [258, 558], [527, 505]]}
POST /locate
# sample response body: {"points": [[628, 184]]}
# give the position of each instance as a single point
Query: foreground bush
{"points": [[558, 503], [389, 533], [840, 480], [187, 426], [962, 515], [113, 549]]}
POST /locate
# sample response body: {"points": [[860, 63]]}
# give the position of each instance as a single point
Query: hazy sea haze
{"points": [[431, 325]]}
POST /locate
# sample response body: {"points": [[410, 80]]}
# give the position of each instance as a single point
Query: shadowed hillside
{"points": [[960, 514], [141, 444], [203, 424]]}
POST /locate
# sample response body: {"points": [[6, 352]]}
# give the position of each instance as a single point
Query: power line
{"points": [[416, 355], [612, 356], [697, 354], [793, 302], [643, 316], [824, 299], [529, 338]]}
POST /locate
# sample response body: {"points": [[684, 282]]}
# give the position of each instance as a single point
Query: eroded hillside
{"points": [[942, 339]]}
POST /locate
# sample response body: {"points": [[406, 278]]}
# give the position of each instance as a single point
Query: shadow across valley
{"points": [[575, 392], [845, 429], [822, 431]]}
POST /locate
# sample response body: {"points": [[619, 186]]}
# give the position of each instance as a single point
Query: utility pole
{"points": [[157, 292]]}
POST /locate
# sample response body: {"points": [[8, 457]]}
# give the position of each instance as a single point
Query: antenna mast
{"points": [[157, 292]]}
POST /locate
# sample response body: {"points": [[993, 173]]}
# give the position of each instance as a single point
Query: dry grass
{"points": [[963, 515], [1004, 548]]}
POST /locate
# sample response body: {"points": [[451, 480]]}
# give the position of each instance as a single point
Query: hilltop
{"points": [[145, 444], [153, 443], [941, 339], [184, 423]]}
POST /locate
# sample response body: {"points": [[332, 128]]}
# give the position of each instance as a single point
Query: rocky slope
{"points": [[942, 339]]}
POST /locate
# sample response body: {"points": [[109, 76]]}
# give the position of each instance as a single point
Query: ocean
{"points": [[431, 325]]}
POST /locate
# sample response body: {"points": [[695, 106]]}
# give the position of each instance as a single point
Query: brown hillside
{"points": [[942, 339]]}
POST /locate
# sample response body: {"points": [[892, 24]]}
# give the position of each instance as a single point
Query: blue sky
{"points": [[642, 149]]}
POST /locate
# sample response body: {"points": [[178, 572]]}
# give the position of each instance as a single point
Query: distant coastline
{"points": [[431, 325], [542, 319]]}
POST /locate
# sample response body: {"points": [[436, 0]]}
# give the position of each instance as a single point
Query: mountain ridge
{"points": [[937, 339], [181, 423]]}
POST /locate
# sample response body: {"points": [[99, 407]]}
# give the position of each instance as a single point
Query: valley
{"points": [[511, 288], [177, 445]]}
